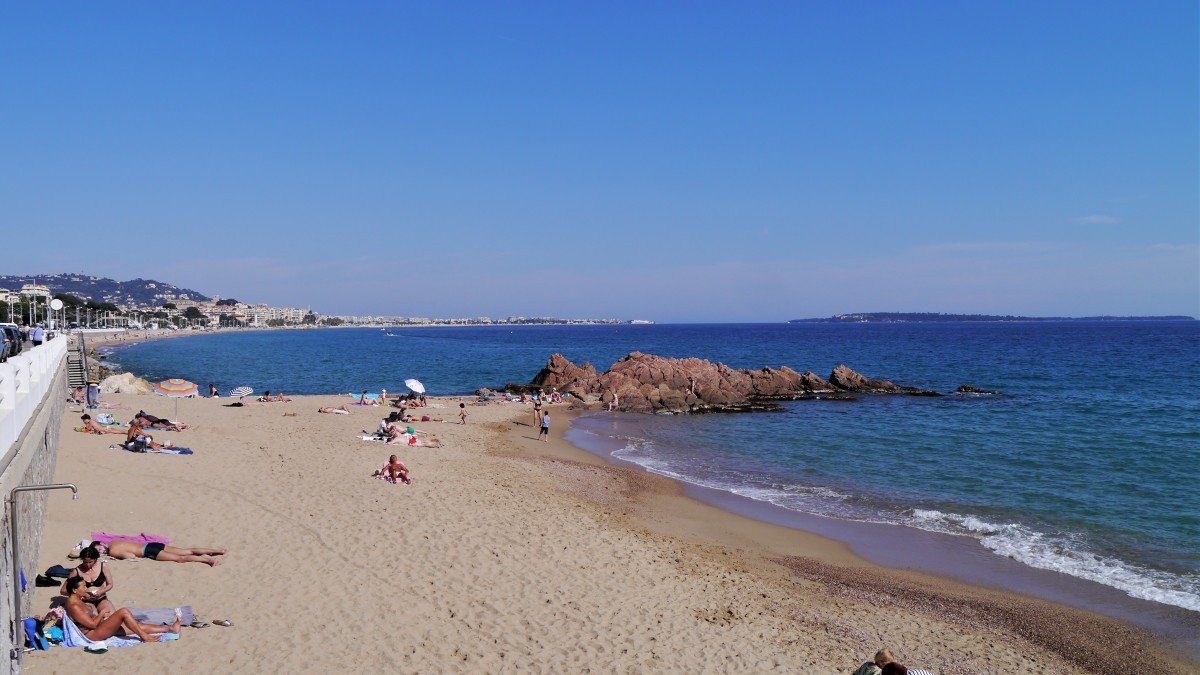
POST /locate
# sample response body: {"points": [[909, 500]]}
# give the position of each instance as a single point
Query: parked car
{"points": [[12, 341]]}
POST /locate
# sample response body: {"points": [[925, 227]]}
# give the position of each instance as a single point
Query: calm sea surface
{"points": [[1087, 463]]}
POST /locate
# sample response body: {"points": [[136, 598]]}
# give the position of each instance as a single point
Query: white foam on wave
{"points": [[1066, 555], [1013, 540]]}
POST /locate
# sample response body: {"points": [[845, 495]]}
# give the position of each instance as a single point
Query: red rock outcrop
{"points": [[648, 383]]}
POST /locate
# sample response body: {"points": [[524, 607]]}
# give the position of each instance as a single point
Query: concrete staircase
{"points": [[76, 368]]}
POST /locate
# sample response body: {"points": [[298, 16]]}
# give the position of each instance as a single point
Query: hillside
{"points": [[135, 293]]}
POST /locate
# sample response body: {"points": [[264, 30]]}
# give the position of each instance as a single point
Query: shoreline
{"points": [[951, 557], [513, 553]]}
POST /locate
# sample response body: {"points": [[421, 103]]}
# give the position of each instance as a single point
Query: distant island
{"points": [[933, 317]]}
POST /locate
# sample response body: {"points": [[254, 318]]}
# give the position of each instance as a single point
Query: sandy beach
{"points": [[506, 555]]}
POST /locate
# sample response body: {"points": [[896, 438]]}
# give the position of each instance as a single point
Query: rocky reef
{"points": [[655, 384]]}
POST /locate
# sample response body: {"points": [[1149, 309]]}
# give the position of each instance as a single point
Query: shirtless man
{"points": [[394, 471], [123, 549], [151, 422], [93, 427]]}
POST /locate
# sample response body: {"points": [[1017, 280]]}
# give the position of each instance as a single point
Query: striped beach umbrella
{"points": [[240, 392], [176, 388]]}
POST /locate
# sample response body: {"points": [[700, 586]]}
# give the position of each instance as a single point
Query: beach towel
{"points": [[165, 451], [373, 438], [107, 538], [163, 615]]}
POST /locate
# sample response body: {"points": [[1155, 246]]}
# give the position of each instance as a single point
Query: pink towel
{"points": [[107, 538]]}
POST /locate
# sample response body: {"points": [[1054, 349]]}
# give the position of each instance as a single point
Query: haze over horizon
{"points": [[675, 162]]}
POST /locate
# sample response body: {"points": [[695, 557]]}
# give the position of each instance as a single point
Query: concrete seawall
{"points": [[33, 390]]}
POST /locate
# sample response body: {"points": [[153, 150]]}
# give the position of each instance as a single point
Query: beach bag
{"points": [[105, 418]]}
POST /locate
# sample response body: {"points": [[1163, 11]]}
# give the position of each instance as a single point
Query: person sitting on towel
{"points": [[106, 624], [137, 439]]}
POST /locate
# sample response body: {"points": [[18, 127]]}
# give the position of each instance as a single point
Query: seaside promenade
{"points": [[505, 555]]}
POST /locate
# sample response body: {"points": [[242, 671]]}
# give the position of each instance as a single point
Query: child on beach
{"points": [[462, 413], [545, 430]]}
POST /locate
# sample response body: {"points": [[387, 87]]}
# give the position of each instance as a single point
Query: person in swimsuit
{"points": [[93, 427], [138, 436], [106, 624], [394, 471], [537, 410], [343, 409], [97, 580], [151, 422], [123, 549]]}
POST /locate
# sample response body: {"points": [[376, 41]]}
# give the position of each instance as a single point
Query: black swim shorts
{"points": [[152, 550]]}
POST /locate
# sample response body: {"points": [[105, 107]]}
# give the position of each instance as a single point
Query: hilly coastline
{"points": [[133, 293]]}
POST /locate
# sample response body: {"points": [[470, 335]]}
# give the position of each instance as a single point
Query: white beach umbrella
{"points": [[415, 385]]}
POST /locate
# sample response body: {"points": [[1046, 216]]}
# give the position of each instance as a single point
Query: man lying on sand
{"points": [[151, 422], [343, 409], [123, 549], [91, 426]]}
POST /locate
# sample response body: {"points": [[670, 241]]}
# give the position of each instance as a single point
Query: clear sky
{"points": [[671, 161]]}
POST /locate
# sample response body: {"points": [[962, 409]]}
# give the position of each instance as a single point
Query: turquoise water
{"points": [[1087, 463]]}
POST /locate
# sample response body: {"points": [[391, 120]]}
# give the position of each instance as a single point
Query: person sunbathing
{"points": [[394, 471], [140, 440], [124, 549], [280, 398], [363, 400], [343, 409], [91, 426], [100, 626], [97, 579], [151, 422]]}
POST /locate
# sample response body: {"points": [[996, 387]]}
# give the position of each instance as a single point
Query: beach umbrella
{"points": [[176, 388], [240, 392], [415, 385]]}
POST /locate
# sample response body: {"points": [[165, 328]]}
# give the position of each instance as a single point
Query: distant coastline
{"points": [[933, 317]]}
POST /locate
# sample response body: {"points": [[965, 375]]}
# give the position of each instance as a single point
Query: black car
{"points": [[12, 342]]}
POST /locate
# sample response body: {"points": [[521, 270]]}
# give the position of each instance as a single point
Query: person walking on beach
{"points": [[462, 413], [545, 430]]}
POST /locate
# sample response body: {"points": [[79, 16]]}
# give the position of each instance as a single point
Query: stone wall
{"points": [[30, 462]]}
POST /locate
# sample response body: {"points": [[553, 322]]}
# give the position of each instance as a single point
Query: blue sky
{"points": [[672, 161]]}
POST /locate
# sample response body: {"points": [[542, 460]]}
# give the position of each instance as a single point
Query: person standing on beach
{"points": [[545, 430], [537, 410], [462, 413]]}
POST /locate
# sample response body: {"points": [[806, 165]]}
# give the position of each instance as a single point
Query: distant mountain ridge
{"points": [[134, 293], [933, 317]]}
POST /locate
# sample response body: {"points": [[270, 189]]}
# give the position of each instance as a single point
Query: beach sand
{"points": [[506, 555]]}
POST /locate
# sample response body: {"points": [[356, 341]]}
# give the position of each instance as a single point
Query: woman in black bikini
{"points": [[97, 580], [106, 624]]}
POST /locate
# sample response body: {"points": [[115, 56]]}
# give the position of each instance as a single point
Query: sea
{"points": [[1086, 462]]}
